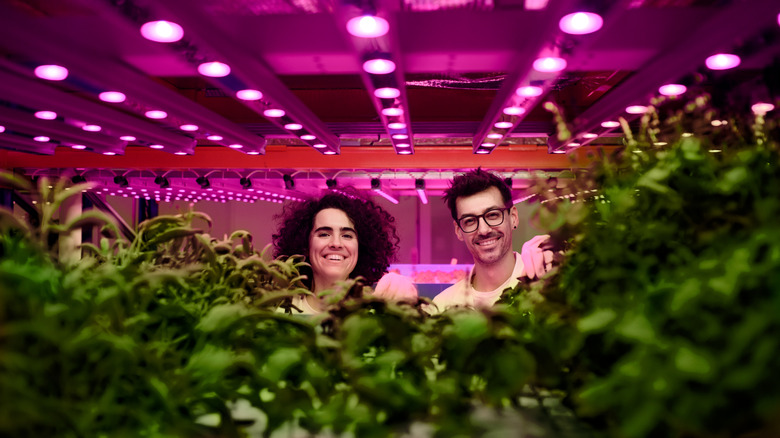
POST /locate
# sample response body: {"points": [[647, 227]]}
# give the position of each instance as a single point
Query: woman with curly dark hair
{"points": [[342, 236]]}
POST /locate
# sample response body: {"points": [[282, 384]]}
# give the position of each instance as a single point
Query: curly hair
{"points": [[471, 183], [375, 227]]}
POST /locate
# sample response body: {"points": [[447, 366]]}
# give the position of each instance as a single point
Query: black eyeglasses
{"points": [[493, 217]]}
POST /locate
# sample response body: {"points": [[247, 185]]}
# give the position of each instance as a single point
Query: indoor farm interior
{"points": [[139, 294]]}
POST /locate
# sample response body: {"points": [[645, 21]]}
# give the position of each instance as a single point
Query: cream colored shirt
{"points": [[302, 303], [463, 293]]}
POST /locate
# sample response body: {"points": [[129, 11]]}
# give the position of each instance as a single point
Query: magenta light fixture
{"points": [[51, 72], [396, 125], [41, 138], [368, 26], [581, 23], [488, 145], [156, 114], [636, 109], [514, 110], [46, 115], [385, 195], [672, 89], [494, 135], [214, 137], [110, 153], [589, 135], [610, 124], [249, 94], [379, 66], [2, 128], [387, 93], [127, 138], [188, 127], [274, 112], [179, 153], [762, 108], [483, 151], [214, 69], [400, 136], [404, 152], [403, 145], [91, 128], [78, 146], [320, 146], [112, 96], [253, 153], [329, 153], [156, 146], [293, 126], [529, 91], [308, 137], [549, 64], [722, 61], [162, 31], [503, 125], [236, 146], [574, 144], [559, 151], [392, 111]]}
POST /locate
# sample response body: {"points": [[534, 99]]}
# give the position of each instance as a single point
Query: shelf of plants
{"points": [[661, 318]]}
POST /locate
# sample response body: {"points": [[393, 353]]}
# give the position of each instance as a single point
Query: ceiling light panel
{"points": [[241, 73], [382, 72]]}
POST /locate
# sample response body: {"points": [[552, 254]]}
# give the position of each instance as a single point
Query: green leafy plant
{"points": [[668, 293], [178, 333]]}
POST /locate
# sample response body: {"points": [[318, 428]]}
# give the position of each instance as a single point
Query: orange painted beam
{"points": [[297, 157]]}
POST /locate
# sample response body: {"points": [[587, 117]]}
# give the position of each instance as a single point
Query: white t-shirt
{"points": [[463, 293]]}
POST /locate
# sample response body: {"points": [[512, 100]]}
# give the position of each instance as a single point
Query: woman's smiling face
{"points": [[333, 248]]}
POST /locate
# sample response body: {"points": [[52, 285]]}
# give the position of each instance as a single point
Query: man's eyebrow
{"points": [[483, 212]]}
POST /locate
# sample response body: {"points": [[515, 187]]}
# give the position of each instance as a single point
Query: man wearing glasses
{"points": [[481, 205]]}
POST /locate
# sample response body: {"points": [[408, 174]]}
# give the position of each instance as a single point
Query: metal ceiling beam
{"points": [[731, 24], [247, 65], [389, 45], [546, 33], [34, 38], [283, 157], [27, 123], [26, 145], [34, 93]]}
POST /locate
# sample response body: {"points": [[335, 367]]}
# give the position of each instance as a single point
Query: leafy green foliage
{"points": [[181, 334], [669, 288], [659, 321]]}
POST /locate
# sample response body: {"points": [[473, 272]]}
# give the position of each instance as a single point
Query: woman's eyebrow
{"points": [[342, 229]]}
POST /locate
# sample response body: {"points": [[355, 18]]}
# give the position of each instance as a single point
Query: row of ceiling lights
{"points": [[213, 69], [175, 189], [169, 32], [381, 68], [716, 62]]}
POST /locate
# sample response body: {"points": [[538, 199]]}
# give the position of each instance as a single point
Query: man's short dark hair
{"points": [[473, 182]]}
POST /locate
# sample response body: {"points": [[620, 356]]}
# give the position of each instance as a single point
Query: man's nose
{"points": [[482, 226]]}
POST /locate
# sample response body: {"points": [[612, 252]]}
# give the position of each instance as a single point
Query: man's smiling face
{"points": [[487, 244]]}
